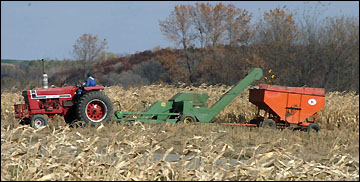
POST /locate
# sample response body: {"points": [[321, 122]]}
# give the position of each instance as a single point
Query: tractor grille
{"points": [[21, 111]]}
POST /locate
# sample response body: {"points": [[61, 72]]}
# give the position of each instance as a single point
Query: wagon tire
{"points": [[38, 121], [94, 108], [313, 127], [269, 123], [255, 121], [187, 119]]}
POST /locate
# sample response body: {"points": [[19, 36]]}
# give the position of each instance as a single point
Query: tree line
{"points": [[303, 51], [217, 44]]}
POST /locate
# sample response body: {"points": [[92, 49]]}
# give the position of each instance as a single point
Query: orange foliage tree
{"points": [[275, 38], [177, 28]]}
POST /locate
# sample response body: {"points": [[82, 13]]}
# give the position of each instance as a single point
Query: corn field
{"points": [[167, 152]]}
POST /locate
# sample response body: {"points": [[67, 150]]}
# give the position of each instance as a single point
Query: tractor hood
{"points": [[51, 93]]}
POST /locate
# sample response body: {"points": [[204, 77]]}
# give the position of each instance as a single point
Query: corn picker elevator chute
{"points": [[189, 107]]}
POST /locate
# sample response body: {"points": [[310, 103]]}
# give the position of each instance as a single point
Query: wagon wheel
{"points": [[269, 123], [38, 121], [94, 108], [253, 121], [187, 119], [256, 121], [313, 127]]}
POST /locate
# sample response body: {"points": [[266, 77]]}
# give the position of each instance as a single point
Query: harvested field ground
{"points": [[126, 151]]}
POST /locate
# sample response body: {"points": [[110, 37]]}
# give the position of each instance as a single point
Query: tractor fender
{"points": [[94, 88]]}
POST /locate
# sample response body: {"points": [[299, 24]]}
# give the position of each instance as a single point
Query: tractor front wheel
{"points": [[187, 119], [38, 121], [94, 108]]}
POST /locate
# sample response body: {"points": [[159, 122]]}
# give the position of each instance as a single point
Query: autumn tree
{"points": [[237, 25], [340, 54], [88, 48], [107, 56], [217, 24], [172, 68], [276, 34], [277, 26], [310, 29], [177, 28], [305, 52], [220, 24], [200, 17], [209, 23]]}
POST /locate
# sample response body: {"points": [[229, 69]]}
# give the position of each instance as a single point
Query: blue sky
{"points": [[38, 29]]}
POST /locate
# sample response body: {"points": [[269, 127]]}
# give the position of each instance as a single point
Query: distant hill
{"points": [[14, 61]]}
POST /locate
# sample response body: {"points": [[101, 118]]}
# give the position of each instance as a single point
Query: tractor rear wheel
{"points": [[269, 123], [38, 121], [313, 127], [94, 108], [187, 119]]}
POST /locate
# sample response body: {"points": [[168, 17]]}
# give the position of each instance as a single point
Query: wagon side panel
{"points": [[277, 102], [310, 105], [256, 96], [293, 108]]}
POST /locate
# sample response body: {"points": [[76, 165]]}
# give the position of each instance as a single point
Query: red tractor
{"points": [[92, 106]]}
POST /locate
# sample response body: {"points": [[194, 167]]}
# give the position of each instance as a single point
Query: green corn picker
{"points": [[189, 107]]}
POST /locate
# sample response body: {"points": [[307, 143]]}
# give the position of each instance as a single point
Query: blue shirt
{"points": [[90, 82]]}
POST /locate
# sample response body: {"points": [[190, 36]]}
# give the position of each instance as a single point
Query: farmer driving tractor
{"points": [[90, 82]]}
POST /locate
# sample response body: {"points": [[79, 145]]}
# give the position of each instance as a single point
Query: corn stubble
{"points": [[146, 151]]}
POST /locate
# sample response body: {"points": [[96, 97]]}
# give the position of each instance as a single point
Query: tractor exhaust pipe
{"points": [[44, 77]]}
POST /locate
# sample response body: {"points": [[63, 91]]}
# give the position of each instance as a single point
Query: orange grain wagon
{"points": [[294, 107]]}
